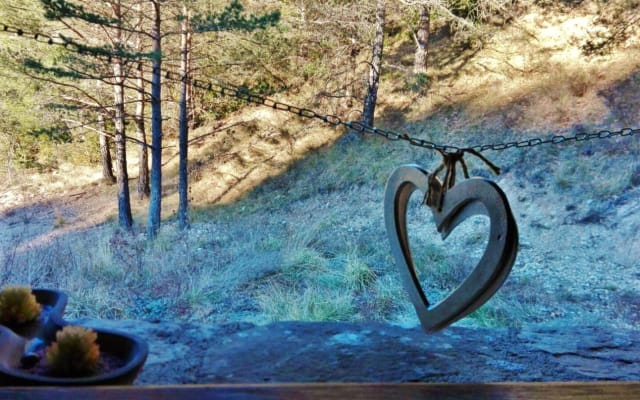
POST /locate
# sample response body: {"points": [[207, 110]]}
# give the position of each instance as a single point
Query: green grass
{"points": [[310, 243], [358, 276], [595, 173], [311, 303]]}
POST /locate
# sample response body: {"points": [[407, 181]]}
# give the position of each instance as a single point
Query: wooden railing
{"points": [[498, 391]]}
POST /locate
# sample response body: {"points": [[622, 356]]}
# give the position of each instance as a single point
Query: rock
{"points": [[377, 352], [635, 177], [591, 212]]}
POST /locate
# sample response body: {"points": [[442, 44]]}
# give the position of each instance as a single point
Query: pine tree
{"points": [[231, 18], [84, 20], [375, 67]]}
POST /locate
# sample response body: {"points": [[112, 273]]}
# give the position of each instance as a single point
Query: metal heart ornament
{"points": [[471, 197]]}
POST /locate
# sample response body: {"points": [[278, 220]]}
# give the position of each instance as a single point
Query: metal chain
{"points": [[227, 89], [67, 44], [37, 36], [558, 139], [242, 93]]}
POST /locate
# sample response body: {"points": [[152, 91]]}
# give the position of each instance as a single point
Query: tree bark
{"points": [[143, 154], [183, 176], [191, 103], [105, 152], [422, 41], [124, 201], [375, 67], [155, 199]]}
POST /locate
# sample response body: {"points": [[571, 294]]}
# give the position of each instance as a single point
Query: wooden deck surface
{"points": [[500, 391]]}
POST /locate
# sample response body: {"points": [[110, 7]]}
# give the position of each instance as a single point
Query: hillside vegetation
{"points": [[287, 219]]}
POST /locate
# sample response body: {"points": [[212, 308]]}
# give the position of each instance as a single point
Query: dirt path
{"points": [[31, 218]]}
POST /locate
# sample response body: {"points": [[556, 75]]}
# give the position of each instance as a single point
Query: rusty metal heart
{"points": [[471, 197]]}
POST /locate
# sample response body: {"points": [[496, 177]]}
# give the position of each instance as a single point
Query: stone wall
{"points": [[373, 352]]}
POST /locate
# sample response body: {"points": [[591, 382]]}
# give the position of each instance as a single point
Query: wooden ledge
{"points": [[502, 391]]}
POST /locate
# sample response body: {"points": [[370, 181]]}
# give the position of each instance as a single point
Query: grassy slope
{"points": [[297, 230]]}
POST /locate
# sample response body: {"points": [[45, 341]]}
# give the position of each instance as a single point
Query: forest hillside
{"points": [[285, 211]]}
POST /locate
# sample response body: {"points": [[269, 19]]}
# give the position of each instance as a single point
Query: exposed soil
{"points": [[37, 218], [106, 363]]}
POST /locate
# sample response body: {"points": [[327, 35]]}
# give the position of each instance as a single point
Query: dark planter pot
{"points": [[131, 350], [126, 347], [55, 299]]}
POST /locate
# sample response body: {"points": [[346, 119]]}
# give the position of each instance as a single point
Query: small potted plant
{"points": [[28, 311], [77, 357], [74, 353], [37, 347]]}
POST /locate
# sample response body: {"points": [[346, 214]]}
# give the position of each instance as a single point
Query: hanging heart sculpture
{"points": [[474, 196]]}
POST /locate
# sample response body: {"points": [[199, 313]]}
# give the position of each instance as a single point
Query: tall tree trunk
{"points": [[183, 183], [143, 157], [153, 221], [191, 104], [375, 68], [105, 152], [124, 201], [422, 41]]}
